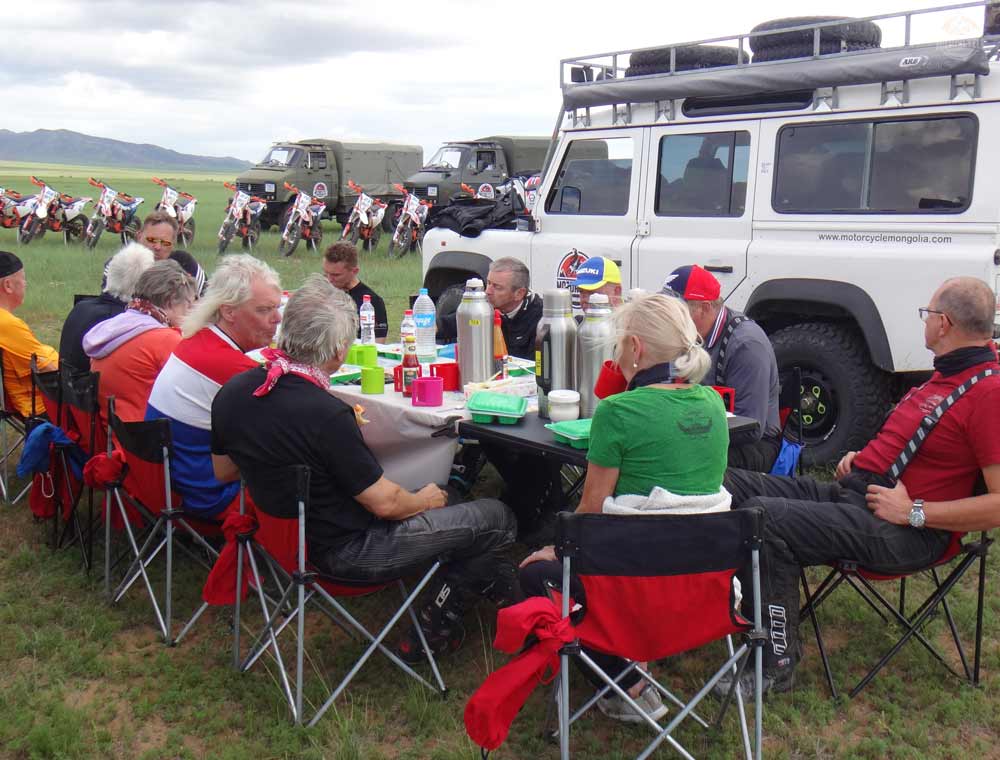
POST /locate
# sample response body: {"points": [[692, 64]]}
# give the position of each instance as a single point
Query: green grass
{"points": [[81, 679]]}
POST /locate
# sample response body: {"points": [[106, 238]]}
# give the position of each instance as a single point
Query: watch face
{"points": [[917, 517]]}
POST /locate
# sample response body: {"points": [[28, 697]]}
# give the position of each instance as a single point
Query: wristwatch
{"points": [[917, 516]]}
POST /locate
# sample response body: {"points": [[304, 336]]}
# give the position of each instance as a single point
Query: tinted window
{"points": [[891, 167], [703, 175], [318, 160], [595, 178]]}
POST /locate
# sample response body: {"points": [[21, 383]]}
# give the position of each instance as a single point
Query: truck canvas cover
{"points": [[374, 165], [914, 62]]}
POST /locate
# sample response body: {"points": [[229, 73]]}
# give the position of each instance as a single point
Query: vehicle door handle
{"points": [[724, 270]]}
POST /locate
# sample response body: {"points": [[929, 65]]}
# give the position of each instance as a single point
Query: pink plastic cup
{"points": [[428, 391]]}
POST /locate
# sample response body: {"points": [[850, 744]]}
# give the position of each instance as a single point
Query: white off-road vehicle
{"points": [[829, 183]]}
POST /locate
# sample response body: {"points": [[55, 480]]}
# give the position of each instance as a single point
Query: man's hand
{"points": [[890, 504], [844, 466], [433, 496], [545, 554]]}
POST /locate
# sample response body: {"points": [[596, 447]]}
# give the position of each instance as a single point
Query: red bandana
{"points": [[143, 306], [277, 363]]}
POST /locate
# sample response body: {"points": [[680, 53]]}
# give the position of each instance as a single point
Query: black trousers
{"points": [[758, 456], [811, 523]]}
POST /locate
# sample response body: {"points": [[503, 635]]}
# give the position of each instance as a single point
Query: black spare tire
{"points": [[686, 59], [798, 50], [863, 33]]}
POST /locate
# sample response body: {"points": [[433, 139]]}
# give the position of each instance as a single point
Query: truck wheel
{"points": [[844, 396], [686, 58], [447, 304], [798, 50]]}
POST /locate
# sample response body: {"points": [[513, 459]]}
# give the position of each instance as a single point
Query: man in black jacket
{"points": [[520, 309]]}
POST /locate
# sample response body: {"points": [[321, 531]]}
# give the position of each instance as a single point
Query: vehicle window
{"points": [[282, 157], [595, 178], [907, 166], [486, 160], [446, 157], [318, 160], [703, 175]]}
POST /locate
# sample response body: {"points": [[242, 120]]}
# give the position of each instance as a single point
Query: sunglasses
{"points": [[160, 242]]}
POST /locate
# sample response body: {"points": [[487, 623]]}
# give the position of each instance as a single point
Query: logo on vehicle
{"points": [[913, 60], [486, 191], [320, 190], [566, 273]]}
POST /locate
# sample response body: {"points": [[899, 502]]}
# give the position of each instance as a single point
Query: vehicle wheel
{"points": [[94, 230], [131, 230], [253, 236], [316, 238], [75, 230], [29, 229], [864, 33], [287, 247], [226, 234], [372, 242], [844, 396], [400, 244], [355, 234], [447, 305], [799, 50], [185, 235], [686, 59]]}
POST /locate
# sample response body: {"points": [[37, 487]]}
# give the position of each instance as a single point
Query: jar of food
{"points": [[564, 405]]}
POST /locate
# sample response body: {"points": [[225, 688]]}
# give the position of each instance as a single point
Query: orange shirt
{"points": [[18, 344], [128, 372]]}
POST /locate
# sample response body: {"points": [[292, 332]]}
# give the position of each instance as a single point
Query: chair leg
{"points": [[979, 609], [811, 611]]}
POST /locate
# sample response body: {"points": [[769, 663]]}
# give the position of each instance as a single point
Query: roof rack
{"points": [[594, 69]]}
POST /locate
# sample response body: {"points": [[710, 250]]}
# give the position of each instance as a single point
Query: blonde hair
{"points": [[231, 284], [668, 334]]}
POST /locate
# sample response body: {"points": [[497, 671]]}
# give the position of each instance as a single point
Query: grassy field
{"points": [[80, 679]]}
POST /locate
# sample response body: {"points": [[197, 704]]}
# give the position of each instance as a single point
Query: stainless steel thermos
{"points": [[594, 344], [474, 320], [555, 347]]}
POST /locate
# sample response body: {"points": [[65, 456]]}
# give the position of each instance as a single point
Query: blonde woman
{"points": [[665, 432]]}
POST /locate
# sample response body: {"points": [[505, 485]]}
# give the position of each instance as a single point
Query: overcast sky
{"points": [[231, 76]]}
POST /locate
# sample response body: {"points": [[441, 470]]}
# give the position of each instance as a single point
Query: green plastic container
{"points": [[575, 433], [487, 407]]}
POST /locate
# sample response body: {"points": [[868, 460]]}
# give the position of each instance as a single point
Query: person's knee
{"points": [[535, 577]]}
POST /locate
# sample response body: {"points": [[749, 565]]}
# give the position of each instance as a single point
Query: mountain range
{"points": [[61, 146]]}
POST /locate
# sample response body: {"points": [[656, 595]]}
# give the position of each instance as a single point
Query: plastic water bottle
{"points": [[425, 320], [407, 326], [367, 314]]}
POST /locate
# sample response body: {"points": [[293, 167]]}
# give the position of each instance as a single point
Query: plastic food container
{"points": [[575, 433], [487, 406], [564, 405]]}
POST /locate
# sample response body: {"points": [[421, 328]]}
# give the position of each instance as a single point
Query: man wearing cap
{"points": [[742, 359], [16, 339], [599, 275]]}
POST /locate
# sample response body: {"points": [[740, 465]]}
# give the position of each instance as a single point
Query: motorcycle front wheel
{"points": [[316, 235], [355, 234], [29, 229], [288, 244], [131, 230], [372, 242], [400, 244], [185, 234], [226, 234], [75, 230], [252, 237], [94, 230]]}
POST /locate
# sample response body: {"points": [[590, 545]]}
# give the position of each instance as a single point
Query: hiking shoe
{"points": [[772, 682], [618, 709]]}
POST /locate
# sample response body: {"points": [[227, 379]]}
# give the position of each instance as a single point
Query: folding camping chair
{"points": [[144, 490], [862, 580], [279, 547], [46, 398], [656, 586], [13, 429]]}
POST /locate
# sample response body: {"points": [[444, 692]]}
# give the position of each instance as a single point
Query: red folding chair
{"points": [[51, 491], [656, 586], [144, 489], [276, 554], [863, 581]]}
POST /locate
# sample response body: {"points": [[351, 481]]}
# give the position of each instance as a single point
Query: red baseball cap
{"points": [[692, 283]]}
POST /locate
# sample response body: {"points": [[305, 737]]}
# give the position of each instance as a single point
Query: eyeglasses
{"points": [[160, 242], [926, 311]]}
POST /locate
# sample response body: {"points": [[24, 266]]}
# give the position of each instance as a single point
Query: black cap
{"points": [[9, 264]]}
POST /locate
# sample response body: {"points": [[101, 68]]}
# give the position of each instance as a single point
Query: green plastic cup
{"points": [[367, 355], [372, 380], [352, 355]]}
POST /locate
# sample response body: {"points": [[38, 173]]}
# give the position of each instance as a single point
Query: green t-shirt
{"points": [[677, 439]]}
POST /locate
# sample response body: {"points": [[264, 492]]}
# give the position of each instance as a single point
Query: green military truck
{"points": [[489, 160], [323, 168]]}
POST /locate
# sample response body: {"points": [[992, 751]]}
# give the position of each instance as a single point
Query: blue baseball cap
{"points": [[596, 272]]}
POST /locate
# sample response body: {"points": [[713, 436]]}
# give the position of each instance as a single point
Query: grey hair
{"points": [[319, 323], [521, 276], [231, 284], [124, 270], [969, 304], [664, 325], [165, 284]]}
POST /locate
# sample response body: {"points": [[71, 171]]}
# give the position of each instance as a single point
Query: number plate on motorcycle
{"points": [[48, 195], [364, 202], [412, 204], [242, 199], [303, 203], [107, 198], [169, 196]]}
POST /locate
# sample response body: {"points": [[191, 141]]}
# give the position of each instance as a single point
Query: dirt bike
{"points": [[180, 206], [115, 212], [14, 207], [365, 221], [301, 222], [57, 212], [409, 232], [242, 219]]}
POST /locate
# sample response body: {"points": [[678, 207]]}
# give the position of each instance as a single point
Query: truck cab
{"points": [[311, 166]]}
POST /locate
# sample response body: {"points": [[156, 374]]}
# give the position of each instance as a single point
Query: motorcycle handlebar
{"points": [[467, 189], [400, 188], [160, 182], [355, 186], [95, 182], [229, 186], [36, 181], [290, 186], [187, 195]]}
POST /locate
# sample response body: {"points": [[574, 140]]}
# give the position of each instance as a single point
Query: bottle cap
{"points": [[423, 291], [366, 299], [408, 312], [409, 339]]}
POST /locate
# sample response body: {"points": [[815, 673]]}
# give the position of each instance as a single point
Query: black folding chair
{"points": [[656, 586]]}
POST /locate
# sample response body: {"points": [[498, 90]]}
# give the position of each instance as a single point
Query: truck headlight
{"points": [[432, 191], [268, 187]]}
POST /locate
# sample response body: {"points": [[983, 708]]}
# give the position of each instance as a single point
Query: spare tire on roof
{"points": [[686, 59], [799, 50], [852, 32]]}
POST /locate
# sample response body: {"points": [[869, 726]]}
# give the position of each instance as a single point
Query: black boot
{"points": [[441, 623]]}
